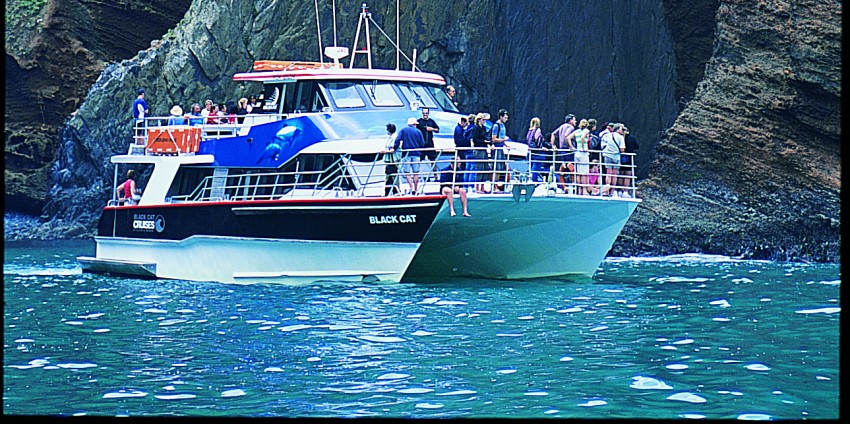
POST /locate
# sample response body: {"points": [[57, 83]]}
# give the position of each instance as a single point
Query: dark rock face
{"points": [[49, 68], [752, 166], [735, 105]]}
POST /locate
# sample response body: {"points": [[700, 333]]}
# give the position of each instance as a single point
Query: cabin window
{"points": [[382, 94], [417, 96], [307, 98], [344, 94], [188, 183], [271, 98], [442, 98]]}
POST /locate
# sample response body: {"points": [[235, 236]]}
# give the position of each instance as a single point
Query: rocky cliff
{"points": [[55, 50], [745, 168], [752, 166]]}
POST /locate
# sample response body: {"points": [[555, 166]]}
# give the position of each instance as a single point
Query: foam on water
{"points": [[176, 396], [125, 394], [382, 339], [649, 383], [829, 310], [687, 397], [232, 393]]}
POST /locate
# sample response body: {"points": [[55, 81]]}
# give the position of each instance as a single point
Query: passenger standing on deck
{"points": [[410, 141], [392, 157], [611, 157], [140, 111], [176, 116], [628, 161], [594, 143], [208, 108], [252, 106], [538, 148], [241, 110], [195, 117], [428, 127], [462, 145], [604, 136], [500, 163], [470, 154], [560, 138], [213, 116], [479, 157], [127, 191], [581, 136]]}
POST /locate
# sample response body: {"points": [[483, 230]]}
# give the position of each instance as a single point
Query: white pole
{"points": [[368, 47], [396, 34], [334, 12], [319, 33]]}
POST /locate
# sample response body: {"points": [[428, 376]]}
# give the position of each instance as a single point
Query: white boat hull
{"points": [[246, 261], [505, 239]]}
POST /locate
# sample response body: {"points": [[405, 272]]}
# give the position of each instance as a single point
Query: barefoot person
{"points": [[449, 186]]}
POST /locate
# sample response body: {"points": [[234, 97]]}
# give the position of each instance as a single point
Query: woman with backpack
{"points": [[538, 149]]}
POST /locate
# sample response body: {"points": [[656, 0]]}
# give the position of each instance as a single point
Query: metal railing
{"points": [[456, 168], [212, 127]]}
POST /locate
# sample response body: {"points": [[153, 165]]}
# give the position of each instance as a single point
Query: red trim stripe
{"points": [[341, 74], [282, 202]]}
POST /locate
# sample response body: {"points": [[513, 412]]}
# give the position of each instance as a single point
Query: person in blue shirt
{"points": [[500, 163], [411, 143], [176, 116], [195, 118], [140, 111], [463, 143]]}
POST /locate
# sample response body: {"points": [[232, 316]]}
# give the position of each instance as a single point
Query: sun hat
{"points": [[176, 110]]}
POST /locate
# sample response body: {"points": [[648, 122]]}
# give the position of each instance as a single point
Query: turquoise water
{"points": [[690, 336]]}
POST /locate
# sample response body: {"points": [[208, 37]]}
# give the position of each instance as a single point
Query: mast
{"points": [[319, 33], [365, 16], [397, 49]]}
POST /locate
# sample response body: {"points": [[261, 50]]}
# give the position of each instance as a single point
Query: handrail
{"points": [[540, 168]]}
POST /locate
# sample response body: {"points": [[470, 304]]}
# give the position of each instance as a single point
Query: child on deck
{"points": [[593, 178]]}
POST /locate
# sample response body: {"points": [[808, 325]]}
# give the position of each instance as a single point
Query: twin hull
{"points": [[265, 241], [390, 239]]}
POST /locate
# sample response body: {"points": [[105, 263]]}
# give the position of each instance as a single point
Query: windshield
{"points": [[344, 94], [417, 96], [442, 98], [383, 94]]}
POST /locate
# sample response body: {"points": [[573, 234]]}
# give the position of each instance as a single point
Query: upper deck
{"points": [[284, 71]]}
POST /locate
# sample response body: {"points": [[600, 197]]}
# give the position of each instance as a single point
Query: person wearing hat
{"points": [[140, 111], [627, 161], [176, 116], [410, 141]]}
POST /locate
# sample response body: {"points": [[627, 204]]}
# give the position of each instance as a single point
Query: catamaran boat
{"points": [[297, 193]]}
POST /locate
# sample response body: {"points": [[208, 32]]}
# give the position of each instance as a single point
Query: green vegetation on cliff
{"points": [[23, 18]]}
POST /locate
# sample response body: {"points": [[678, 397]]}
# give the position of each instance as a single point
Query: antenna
{"points": [[319, 32], [334, 14], [396, 35], [365, 16]]}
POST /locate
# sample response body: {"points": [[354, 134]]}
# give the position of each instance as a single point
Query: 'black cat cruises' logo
{"points": [[148, 223]]}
